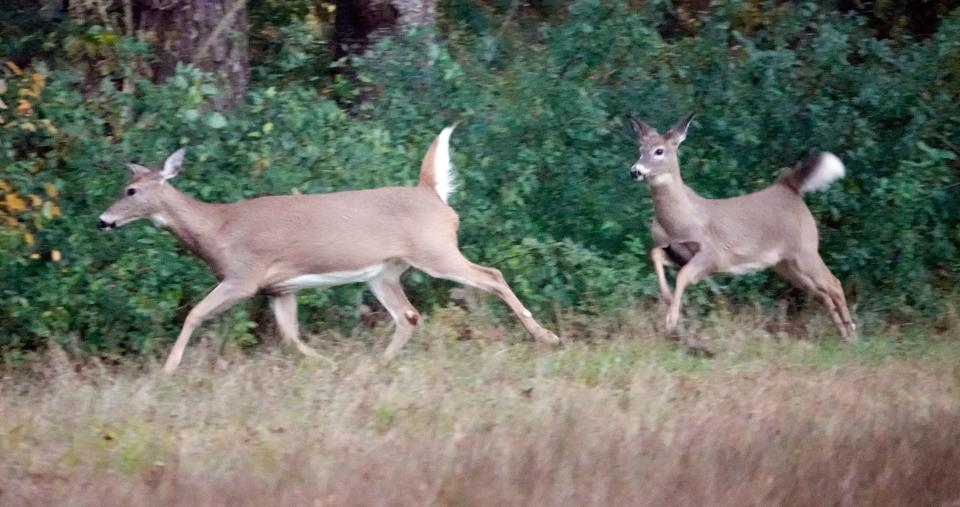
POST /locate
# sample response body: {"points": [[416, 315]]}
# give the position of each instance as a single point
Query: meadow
{"points": [[474, 414]]}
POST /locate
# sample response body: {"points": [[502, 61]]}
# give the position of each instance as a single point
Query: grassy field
{"points": [[471, 414]]}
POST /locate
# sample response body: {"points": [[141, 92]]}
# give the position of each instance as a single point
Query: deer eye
{"points": [[131, 191], [658, 152]]}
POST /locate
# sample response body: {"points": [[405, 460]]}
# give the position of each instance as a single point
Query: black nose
{"points": [[103, 225]]}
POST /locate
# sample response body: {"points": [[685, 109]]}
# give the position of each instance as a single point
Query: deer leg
{"points": [[457, 268], [389, 291], [660, 259], [810, 273], [694, 270], [285, 311], [222, 297]]}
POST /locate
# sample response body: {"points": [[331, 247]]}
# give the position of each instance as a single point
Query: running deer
{"points": [[771, 228], [277, 245]]}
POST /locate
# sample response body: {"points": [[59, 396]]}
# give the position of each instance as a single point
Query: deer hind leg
{"points": [[691, 272], [222, 297], [389, 291], [285, 311], [456, 267], [809, 272]]}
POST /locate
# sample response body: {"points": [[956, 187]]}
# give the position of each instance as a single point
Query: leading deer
{"points": [[278, 245], [771, 228]]}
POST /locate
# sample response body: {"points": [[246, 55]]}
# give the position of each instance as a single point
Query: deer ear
{"points": [[137, 169], [679, 131], [640, 129], [172, 165]]}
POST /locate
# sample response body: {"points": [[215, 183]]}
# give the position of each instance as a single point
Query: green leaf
{"points": [[216, 120]]}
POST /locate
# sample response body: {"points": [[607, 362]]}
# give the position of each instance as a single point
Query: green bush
{"points": [[542, 156]]}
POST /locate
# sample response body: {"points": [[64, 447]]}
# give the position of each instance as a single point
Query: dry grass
{"points": [[620, 419]]}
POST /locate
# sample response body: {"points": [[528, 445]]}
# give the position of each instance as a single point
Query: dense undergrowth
{"points": [[542, 155]]}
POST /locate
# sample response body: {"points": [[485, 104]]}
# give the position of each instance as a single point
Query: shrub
{"points": [[542, 156]]}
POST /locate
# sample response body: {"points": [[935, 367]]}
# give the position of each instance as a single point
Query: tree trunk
{"points": [[359, 23], [211, 34]]}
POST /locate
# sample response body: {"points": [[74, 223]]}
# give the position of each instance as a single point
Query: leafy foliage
{"points": [[542, 155]]}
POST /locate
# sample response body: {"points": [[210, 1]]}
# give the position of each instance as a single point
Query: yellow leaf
{"points": [[3, 86], [34, 256], [6, 186], [50, 188], [54, 210], [13, 67], [38, 81], [28, 127], [35, 200], [55, 255], [24, 108], [47, 124], [28, 237], [14, 203]]}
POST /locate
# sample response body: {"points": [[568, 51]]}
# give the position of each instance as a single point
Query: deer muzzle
{"points": [[639, 172], [103, 224]]}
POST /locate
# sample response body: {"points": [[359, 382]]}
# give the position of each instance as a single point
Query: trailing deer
{"points": [[278, 245], [771, 228]]}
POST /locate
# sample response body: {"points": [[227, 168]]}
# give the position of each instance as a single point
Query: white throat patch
{"points": [[661, 179], [158, 220]]}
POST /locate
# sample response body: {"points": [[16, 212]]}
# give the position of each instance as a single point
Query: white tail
{"points": [[772, 228], [280, 244], [828, 169], [814, 173], [436, 171]]}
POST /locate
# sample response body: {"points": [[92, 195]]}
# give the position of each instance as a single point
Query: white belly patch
{"points": [[331, 279], [747, 267], [765, 261]]}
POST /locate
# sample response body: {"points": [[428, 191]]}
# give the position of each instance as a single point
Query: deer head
{"points": [[658, 153], [142, 196]]}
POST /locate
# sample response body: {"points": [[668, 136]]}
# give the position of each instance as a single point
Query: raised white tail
{"points": [[436, 171], [814, 174]]}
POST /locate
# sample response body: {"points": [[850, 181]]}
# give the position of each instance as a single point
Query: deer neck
{"points": [[194, 223], [673, 205]]}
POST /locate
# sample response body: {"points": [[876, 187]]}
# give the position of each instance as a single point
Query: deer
{"points": [[278, 245], [770, 228]]}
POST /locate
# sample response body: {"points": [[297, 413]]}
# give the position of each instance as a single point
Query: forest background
{"points": [[293, 96]]}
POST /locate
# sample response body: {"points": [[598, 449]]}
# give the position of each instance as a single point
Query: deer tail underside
{"points": [[814, 173], [436, 171]]}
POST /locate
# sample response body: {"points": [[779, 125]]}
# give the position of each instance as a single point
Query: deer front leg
{"points": [[698, 267], [660, 259], [285, 311], [222, 297]]}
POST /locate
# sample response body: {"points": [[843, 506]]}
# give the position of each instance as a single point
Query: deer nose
{"points": [[101, 224]]}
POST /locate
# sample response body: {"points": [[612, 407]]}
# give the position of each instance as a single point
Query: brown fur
{"points": [[770, 228], [260, 245]]}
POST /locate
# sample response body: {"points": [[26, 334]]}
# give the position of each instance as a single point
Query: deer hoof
{"points": [[550, 338], [672, 322]]}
